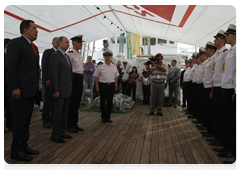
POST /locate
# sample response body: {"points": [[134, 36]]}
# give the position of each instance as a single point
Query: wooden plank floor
{"points": [[132, 138]]}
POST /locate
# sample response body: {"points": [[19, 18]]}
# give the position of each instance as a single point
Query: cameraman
{"points": [[105, 45], [159, 74]]}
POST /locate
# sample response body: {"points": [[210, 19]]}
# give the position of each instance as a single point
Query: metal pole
{"points": [[93, 48]]}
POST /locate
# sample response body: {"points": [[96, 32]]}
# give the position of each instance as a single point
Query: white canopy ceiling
{"points": [[189, 24]]}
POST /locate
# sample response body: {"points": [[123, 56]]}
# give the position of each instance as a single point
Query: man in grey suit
{"points": [[173, 82], [60, 71]]}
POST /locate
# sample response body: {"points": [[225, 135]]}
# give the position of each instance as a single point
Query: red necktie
{"points": [[33, 48]]}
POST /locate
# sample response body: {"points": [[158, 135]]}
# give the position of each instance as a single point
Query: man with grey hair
{"points": [[88, 80], [47, 84]]}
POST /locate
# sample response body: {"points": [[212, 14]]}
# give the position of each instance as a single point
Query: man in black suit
{"points": [[47, 84], [60, 71], [22, 63], [181, 85]]}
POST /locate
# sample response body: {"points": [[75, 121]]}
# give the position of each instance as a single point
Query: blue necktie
{"points": [[67, 60], [171, 70]]}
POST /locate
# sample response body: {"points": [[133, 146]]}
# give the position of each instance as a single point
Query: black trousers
{"points": [[59, 116], [234, 127], [200, 105], [75, 100], [187, 90], [229, 109], [124, 87], [219, 116], [47, 105], [146, 93], [22, 113], [183, 96], [194, 99], [106, 91], [208, 110], [9, 118], [191, 97], [133, 89]]}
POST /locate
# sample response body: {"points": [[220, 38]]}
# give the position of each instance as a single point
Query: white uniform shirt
{"points": [[217, 66], [125, 75], [236, 82], [186, 74], [194, 80], [106, 73], [191, 73], [145, 80], [208, 73], [76, 61], [199, 78], [229, 73]]}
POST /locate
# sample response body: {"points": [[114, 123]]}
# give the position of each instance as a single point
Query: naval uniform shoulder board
{"points": [[225, 50], [70, 51]]}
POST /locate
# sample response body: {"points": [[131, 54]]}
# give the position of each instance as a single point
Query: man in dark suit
{"points": [[47, 84], [173, 81], [22, 63], [60, 71], [181, 85]]}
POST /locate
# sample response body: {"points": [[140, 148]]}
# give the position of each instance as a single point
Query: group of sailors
{"points": [[209, 86]]}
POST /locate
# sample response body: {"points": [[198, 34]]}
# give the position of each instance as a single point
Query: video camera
{"points": [[154, 59]]}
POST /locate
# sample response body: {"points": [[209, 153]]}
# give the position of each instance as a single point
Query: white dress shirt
{"points": [[208, 73], [186, 74], [229, 73], [76, 61], [236, 82], [194, 80], [125, 75], [106, 74], [218, 71], [191, 73], [199, 78]]}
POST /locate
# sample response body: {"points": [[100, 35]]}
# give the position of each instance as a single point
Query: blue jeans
{"points": [[86, 85]]}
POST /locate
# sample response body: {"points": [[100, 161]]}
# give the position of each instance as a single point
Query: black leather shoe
{"points": [[220, 149], [185, 110], [151, 113], [104, 121], [175, 106], [202, 128], [199, 126], [226, 154], [196, 121], [64, 136], [160, 113], [58, 140], [228, 162], [204, 132], [211, 139], [208, 135], [169, 105], [73, 130], [191, 117], [109, 120], [30, 151], [78, 128], [183, 106], [216, 143], [21, 156]]}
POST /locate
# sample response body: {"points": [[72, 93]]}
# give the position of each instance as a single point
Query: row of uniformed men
{"points": [[209, 85]]}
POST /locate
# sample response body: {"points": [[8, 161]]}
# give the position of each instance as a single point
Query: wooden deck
{"points": [[132, 138]]}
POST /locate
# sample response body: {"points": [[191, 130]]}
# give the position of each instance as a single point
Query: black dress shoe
{"points": [[58, 140], [64, 136], [169, 105], [185, 110], [226, 154], [196, 121], [151, 113], [109, 120], [211, 139], [82, 104], [204, 132], [183, 106], [220, 149], [21, 156], [208, 135], [73, 130], [78, 128], [202, 128], [30, 151], [160, 113], [199, 125], [216, 143], [191, 117], [175, 107], [228, 162], [104, 121]]}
